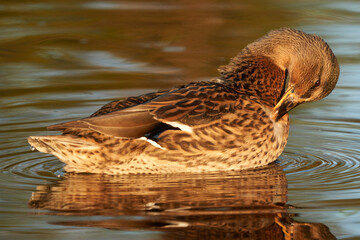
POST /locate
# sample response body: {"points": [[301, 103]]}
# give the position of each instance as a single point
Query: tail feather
{"points": [[59, 144], [75, 152]]}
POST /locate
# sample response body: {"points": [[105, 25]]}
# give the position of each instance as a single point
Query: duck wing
{"points": [[127, 102], [124, 124], [190, 105], [195, 104]]}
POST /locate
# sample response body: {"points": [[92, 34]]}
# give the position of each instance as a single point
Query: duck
{"points": [[236, 121]]}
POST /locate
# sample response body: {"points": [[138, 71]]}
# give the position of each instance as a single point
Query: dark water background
{"points": [[61, 60]]}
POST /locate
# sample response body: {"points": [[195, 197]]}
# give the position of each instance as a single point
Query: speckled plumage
{"points": [[236, 121]]}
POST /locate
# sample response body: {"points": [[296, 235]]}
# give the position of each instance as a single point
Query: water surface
{"points": [[61, 60]]}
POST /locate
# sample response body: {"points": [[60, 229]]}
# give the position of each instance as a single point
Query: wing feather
{"points": [[189, 105], [195, 105]]}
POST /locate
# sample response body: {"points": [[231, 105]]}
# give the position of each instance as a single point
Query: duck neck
{"points": [[257, 75]]}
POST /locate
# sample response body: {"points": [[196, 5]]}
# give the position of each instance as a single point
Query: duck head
{"points": [[311, 67]]}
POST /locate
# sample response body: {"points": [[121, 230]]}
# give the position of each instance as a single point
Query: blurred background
{"points": [[62, 60]]}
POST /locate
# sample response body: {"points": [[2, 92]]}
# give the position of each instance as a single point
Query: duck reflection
{"points": [[237, 205]]}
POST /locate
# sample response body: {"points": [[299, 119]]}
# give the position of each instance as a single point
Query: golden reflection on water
{"points": [[238, 205]]}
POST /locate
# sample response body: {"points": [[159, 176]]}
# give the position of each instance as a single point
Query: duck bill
{"points": [[288, 101]]}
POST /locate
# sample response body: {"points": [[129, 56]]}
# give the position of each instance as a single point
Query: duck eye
{"points": [[317, 83]]}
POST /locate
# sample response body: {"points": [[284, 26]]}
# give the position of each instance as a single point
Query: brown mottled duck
{"points": [[237, 121]]}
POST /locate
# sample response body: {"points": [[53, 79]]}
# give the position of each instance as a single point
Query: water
{"points": [[61, 60]]}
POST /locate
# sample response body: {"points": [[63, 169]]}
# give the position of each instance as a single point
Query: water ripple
{"points": [[38, 167], [328, 169]]}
